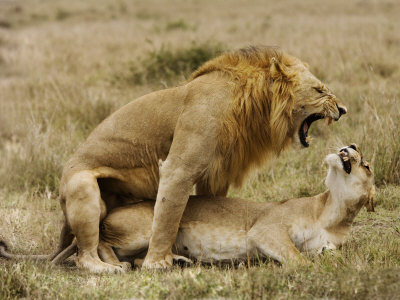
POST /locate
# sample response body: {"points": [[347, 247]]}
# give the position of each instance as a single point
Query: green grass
{"points": [[166, 63], [177, 25], [357, 271], [66, 65]]}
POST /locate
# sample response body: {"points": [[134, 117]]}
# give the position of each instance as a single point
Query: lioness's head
{"points": [[309, 99], [351, 175]]}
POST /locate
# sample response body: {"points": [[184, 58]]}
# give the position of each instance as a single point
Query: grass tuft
{"points": [[177, 25], [385, 150], [36, 148], [62, 14], [167, 63]]}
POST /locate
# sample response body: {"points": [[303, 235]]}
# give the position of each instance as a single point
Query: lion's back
{"points": [[143, 125]]}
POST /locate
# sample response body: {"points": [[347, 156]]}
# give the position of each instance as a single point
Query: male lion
{"points": [[222, 229], [235, 112]]}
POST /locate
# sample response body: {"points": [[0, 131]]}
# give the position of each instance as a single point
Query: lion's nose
{"points": [[342, 110], [344, 152]]}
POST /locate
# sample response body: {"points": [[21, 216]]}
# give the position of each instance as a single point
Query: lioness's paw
{"points": [[179, 258], [328, 247], [125, 266], [138, 262]]}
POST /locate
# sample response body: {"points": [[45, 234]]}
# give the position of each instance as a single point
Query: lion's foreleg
{"points": [[173, 194], [190, 155]]}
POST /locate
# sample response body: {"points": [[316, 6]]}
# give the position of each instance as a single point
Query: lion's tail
{"points": [[67, 252], [4, 253], [67, 246], [66, 238], [63, 255]]}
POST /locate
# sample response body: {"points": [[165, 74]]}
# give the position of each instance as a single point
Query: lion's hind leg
{"points": [[274, 241], [83, 210], [107, 255]]}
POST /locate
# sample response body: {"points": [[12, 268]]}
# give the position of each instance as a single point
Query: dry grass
{"points": [[65, 65]]}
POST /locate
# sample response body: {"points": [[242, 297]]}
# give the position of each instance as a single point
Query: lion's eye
{"points": [[319, 90], [367, 167]]}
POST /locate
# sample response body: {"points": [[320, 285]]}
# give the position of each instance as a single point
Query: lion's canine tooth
{"points": [[328, 120], [345, 158]]}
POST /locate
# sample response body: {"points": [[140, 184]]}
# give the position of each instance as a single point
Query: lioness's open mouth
{"points": [[305, 126], [344, 157]]}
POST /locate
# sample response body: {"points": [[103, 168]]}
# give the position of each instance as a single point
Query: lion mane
{"points": [[259, 121]]}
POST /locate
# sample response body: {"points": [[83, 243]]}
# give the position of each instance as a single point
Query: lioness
{"points": [[235, 112], [215, 229]]}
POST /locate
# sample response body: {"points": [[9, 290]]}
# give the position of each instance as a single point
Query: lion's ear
{"points": [[277, 69], [370, 204]]}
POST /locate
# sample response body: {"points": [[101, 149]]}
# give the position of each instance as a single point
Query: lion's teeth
{"points": [[345, 158], [328, 120]]}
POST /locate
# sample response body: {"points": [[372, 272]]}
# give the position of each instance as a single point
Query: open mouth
{"points": [[305, 126], [344, 157]]}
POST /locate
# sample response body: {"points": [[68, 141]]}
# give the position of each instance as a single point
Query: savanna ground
{"points": [[66, 65]]}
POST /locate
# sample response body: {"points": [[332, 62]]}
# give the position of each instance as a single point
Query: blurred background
{"points": [[66, 65]]}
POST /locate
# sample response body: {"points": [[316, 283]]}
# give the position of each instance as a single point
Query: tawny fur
{"points": [[235, 112], [223, 229]]}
